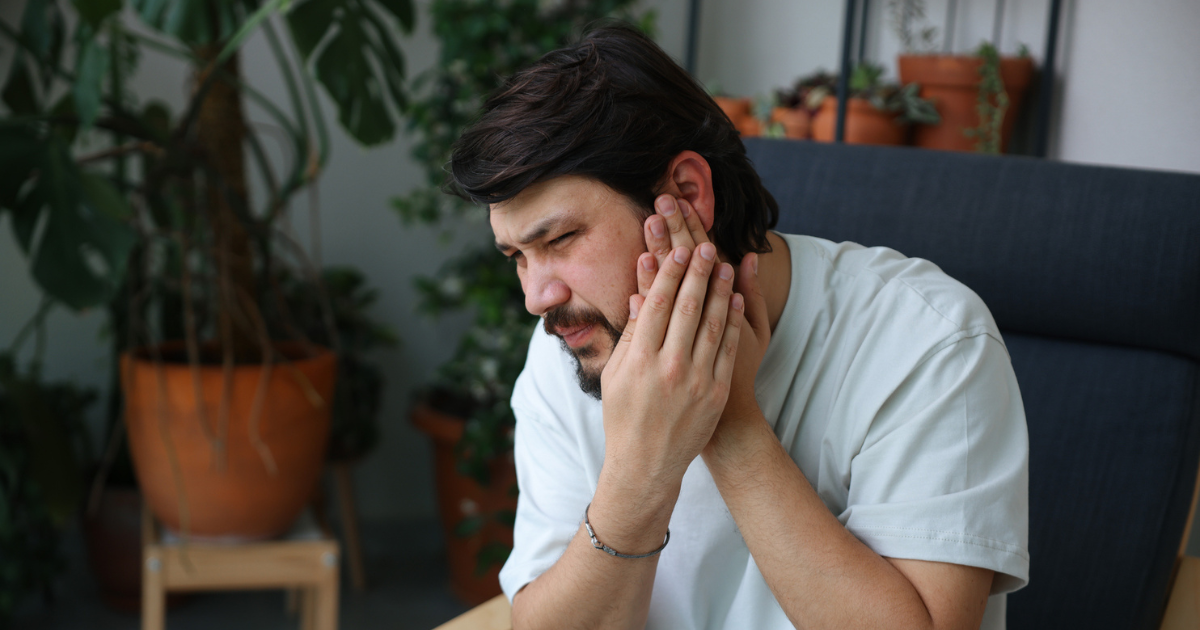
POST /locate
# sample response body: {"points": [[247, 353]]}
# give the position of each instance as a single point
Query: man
{"points": [[831, 435]]}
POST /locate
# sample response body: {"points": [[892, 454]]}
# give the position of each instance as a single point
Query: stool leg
{"points": [[153, 594], [345, 486], [325, 611], [308, 606]]}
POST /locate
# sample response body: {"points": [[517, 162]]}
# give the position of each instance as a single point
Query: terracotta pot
{"points": [[865, 124], [796, 122], [460, 497], [113, 538], [952, 83], [741, 113], [237, 496]]}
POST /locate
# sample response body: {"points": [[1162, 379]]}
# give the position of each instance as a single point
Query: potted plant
{"points": [[796, 106], [952, 82], [876, 112], [466, 411], [43, 444], [227, 411]]}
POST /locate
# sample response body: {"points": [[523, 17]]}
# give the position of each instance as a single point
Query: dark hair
{"points": [[617, 109]]}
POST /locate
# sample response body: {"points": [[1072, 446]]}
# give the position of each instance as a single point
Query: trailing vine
{"points": [[992, 103]]}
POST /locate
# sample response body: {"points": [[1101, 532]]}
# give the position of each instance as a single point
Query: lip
{"points": [[575, 337]]}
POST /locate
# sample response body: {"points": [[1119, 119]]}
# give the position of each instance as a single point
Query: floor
{"points": [[407, 590]]}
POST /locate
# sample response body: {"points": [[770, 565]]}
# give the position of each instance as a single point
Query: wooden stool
{"points": [[306, 560]]}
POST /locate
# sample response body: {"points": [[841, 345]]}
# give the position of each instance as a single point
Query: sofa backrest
{"points": [[1093, 275]]}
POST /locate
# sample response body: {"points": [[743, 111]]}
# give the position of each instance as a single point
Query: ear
{"points": [[689, 177]]}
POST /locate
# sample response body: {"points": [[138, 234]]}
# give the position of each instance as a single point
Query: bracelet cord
{"points": [[613, 552]]}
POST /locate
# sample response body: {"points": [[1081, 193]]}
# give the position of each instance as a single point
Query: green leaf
{"points": [[490, 554], [104, 197], [20, 152], [90, 70], [35, 26], [95, 11], [468, 526], [309, 22], [344, 71], [403, 10], [19, 94]]}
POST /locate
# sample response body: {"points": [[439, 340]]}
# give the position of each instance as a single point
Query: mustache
{"points": [[568, 317]]}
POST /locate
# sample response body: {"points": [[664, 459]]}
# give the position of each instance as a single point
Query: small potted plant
{"points": [[876, 113], [795, 106], [952, 82]]}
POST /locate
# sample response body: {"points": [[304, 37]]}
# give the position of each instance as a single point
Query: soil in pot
{"points": [[258, 483], [865, 124], [461, 497], [951, 82]]}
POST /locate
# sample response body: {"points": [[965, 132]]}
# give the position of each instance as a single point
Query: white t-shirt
{"points": [[887, 382]]}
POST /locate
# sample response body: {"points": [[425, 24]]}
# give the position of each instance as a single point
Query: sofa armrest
{"points": [[494, 614]]}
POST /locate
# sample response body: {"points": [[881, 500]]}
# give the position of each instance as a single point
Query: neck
{"points": [[775, 277]]}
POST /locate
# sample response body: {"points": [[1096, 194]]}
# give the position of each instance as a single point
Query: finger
{"points": [[667, 207], [716, 309], [658, 241], [622, 347], [694, 224], [656, 311], [647, 268], [727, 356], [689, 303], [756, 304]]}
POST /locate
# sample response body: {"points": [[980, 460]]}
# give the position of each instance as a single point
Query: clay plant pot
{"points": [[460, 497], [796, 122], [952, 84], [112, 534], [232, 494], [865, 124], [741, 113]]}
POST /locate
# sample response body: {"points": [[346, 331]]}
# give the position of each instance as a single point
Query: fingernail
{"points": [[664, 202], [708, 251], [648, 263], [681, 255], [738, 302], [726, 271], [633, 308], [754, 264], [656, 227], [667, 209], [686, 208]]}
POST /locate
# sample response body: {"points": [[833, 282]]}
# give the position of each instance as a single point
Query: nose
{"points": [[543, 289]]}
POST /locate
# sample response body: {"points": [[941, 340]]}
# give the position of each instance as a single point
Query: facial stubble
{"points": [[566, 317]]}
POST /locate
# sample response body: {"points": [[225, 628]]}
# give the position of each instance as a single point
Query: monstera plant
{"points": [[116, 200]]}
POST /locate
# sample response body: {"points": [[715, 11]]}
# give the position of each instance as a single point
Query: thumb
{"points": [[756, 304]]}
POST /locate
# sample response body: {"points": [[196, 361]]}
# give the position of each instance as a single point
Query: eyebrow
{"points": [[543, 228]]}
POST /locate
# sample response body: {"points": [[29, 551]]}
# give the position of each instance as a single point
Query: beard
{"points": [[566, 317]]}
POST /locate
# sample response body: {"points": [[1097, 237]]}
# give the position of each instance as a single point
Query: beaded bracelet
{"points": [[613, 552]]}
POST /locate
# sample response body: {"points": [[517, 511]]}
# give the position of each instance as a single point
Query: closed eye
{"points": [[562, 238]]}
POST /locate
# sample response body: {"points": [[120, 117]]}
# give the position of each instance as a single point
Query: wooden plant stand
{"points": [[305, 560]]}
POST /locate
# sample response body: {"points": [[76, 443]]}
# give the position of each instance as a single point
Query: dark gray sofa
{"points": [[1093, 275]]}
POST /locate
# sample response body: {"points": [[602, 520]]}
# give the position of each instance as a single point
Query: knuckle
{"points": [[688, 305], [713, 328], [627, 336], [730, 348], [657, 302], [674, 370]]}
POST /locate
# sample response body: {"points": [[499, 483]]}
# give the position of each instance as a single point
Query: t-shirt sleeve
{"points": [[554, 492], [943, 472]]}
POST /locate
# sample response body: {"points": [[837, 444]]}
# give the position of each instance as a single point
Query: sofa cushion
{"points": [[1114, 435], [1054, 249]]}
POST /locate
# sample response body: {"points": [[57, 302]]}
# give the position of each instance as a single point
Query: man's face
{"points": [[576, 243]]}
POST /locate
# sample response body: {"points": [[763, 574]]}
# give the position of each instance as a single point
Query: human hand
{"points": [[668, 378], [676, 224]]}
